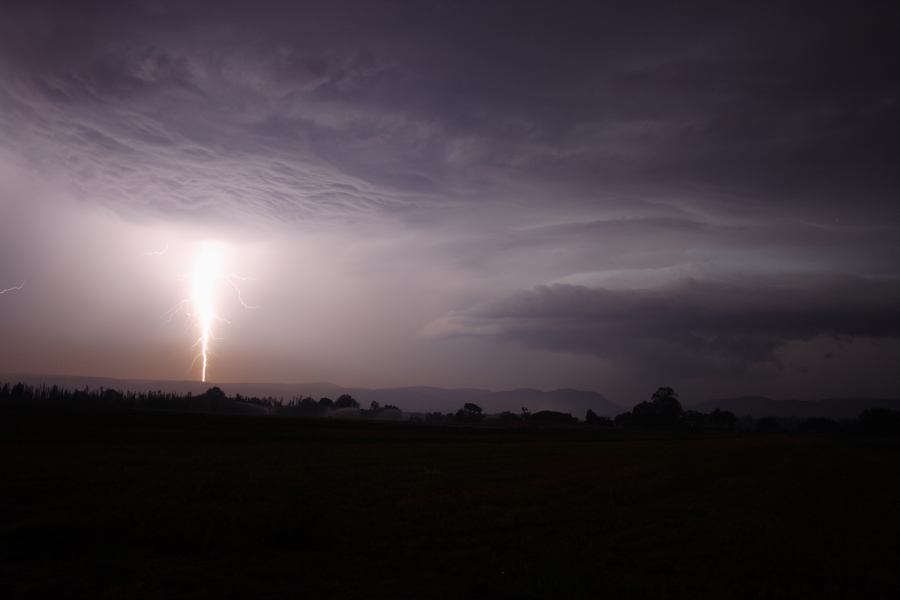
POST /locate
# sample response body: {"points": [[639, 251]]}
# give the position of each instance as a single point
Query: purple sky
{"points": [[491, 194]]}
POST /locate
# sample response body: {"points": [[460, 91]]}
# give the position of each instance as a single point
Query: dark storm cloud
{"points": [[665, 242], [302, 108], [688, 324]]}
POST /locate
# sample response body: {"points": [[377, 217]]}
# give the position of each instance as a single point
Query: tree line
{"points": [[663, 411]]}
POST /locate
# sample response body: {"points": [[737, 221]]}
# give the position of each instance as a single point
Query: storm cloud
{"points": [[688, 324], [558, 194]]}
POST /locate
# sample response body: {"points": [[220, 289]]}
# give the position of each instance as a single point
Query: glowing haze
{"points": [[611, 196]]}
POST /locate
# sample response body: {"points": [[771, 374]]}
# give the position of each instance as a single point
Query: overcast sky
{"points": [[610, 196]]}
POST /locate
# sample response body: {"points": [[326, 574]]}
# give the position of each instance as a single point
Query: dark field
{"points": [[135, 505]]}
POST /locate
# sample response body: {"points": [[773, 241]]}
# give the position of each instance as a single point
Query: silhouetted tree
{"points": [[624, 419], [509, 418], [470, 413], [723, 419], [818, 425], [212, 399], [346, 401], [665, 401], [880, 421], [435, 417], [112, 396], [215, 393], [552, 417], [326, 404], [662, 411], [591, 418], [768, 425], [309, 407]]}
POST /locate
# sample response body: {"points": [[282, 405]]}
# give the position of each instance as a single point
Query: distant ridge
{"points": [[410, 399], [760, 406]]}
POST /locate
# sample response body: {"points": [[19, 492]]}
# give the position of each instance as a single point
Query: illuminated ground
{"points": [[141, 505]]}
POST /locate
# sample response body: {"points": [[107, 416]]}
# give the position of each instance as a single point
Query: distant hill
{"points": [[410, 399], [760, 406]]}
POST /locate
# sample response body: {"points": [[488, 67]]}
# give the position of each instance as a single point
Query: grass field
{"points": [[106, 504]]}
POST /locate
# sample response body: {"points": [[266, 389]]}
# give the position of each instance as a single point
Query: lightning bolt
{"points": [[206, 272], [201, 306], [230, 279], [16, 288]]}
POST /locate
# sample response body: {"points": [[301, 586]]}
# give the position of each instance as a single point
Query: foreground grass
{"points": [[139, 505]]}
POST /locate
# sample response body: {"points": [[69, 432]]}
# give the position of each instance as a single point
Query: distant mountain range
{"points": [[410, 399], [760, 406]]}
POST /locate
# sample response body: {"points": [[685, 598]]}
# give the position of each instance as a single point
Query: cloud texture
{"points": [[554, 194]]}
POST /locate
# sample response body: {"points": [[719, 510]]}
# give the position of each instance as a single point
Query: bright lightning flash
{"points": [[207, 272], [207, 278]]}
